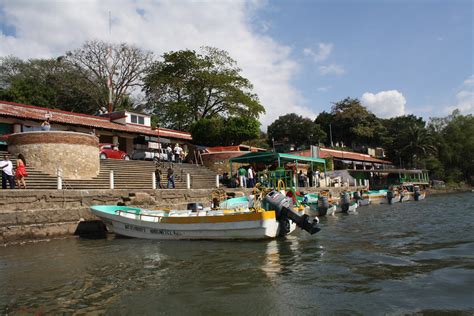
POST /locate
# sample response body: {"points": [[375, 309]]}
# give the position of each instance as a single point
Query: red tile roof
{"points": [[241, 147], [63, 117], [347, 155]]}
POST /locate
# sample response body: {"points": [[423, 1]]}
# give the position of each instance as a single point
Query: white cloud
{"points": [[469, 82], [324, 89], [50, 28], [332, 69], [323, 52], [464, 98], [385, 104]]}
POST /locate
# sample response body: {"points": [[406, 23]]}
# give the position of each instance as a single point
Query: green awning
{"points": [[269, 157]]}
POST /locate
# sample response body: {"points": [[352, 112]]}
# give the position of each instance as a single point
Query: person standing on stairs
{"points": [[177, 153], [169, 153], [7, 172], [20, 173], [170, 177], [158, 177]]}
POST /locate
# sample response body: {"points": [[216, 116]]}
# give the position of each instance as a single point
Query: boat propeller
{"points": [[282, 206]]}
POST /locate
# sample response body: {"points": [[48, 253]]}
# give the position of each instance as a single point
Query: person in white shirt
{"points": [[251, 176], [177, 153], [7, 172], [169, 153]]}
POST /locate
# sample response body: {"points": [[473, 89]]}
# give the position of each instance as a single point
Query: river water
{"points": [[415, 257]]}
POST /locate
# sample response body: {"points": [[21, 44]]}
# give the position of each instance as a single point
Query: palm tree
{"points": [[420, 144]]}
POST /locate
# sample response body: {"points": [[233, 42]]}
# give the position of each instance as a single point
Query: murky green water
{"points": [[400, 259]]}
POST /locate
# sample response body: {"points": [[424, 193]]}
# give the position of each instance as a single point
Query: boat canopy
{"points": [[269, 157]]}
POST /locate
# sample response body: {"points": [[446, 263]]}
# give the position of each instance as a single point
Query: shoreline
{"points": [[448, 190], [37, 216]]}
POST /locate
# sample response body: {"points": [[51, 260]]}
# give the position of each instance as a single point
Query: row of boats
{"points": [[263, 214]]}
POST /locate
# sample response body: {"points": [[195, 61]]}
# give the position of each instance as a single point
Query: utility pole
{"points": [[109, 62], [330, 135]]}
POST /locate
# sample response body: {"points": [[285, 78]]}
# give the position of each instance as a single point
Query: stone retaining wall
{"points": [[39, 214], [27, 215]]}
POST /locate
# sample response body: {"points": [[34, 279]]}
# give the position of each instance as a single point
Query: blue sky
{"points": [[397, 57], [424, 49]]}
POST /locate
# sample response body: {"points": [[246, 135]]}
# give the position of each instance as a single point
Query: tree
{"points": [[261, 141], [397, 137], [324, 120], [419, 144], [45, 82], [96, 61], [455, 144], [207, 131], [186, 87], [219, 131], [240, 129], [353, 124], [293, 129]]}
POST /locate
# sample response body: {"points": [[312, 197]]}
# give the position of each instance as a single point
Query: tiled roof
{"points": [[347, 155], [63, 117]]}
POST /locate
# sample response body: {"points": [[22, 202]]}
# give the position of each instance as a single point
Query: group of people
{"points": [[6, 165], [169, 177], [177, 152], [245, 176], [312, 178]]}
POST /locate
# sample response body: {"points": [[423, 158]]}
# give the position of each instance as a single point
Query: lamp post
{"points": [[273, 142]]}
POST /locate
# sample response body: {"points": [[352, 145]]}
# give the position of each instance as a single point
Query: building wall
{"points": [[75, 154], [219, 161]]}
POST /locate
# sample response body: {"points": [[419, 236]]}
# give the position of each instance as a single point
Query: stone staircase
{"points": [[128, 174]]}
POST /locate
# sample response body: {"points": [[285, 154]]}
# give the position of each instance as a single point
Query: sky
{"points": [[396, 57]]}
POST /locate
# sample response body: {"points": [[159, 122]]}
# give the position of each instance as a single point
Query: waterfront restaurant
{"points": [[129, 131]]}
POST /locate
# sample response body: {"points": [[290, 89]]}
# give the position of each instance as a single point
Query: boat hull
{"points": [[312, 210], [352, 208], [242, 226]]}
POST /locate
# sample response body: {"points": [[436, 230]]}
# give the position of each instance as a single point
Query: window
{"points": [[134, 119], [141, 120]]}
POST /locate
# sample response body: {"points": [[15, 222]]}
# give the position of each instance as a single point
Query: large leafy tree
{"points": [[455, 142], [404, 133], [97, 61], [354, 125], [324, 120], [293, 129], [419, 144], [186, 87], [219, 131], [49, 83]]}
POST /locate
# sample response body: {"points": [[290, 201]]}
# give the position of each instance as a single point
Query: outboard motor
{"points": [[416, 193], [323, 205], [345, 201], [195, 207], [390, 196], [282, 206], [357, 196]]}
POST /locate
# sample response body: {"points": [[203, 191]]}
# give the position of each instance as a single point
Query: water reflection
{"points": [[396, 260]]}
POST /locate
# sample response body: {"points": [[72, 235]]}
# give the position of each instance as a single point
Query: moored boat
{"points": [[376, 196], [185, 224], [352, 208], [206, 223]]}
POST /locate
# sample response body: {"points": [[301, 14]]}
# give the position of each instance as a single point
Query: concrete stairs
{"points": [[128, 174]]}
